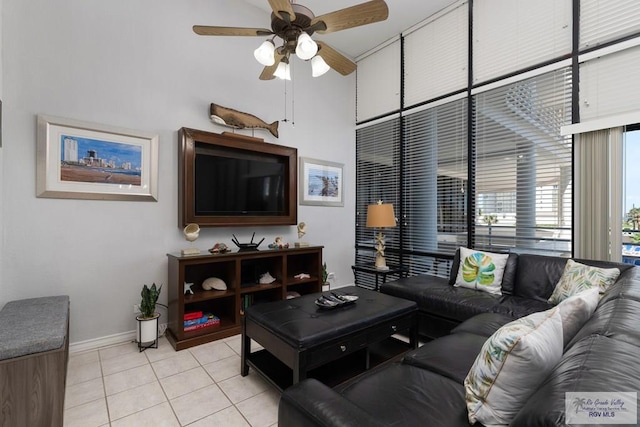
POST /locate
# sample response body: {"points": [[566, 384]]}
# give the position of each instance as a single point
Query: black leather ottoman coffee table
{"points": [[299, 334]]}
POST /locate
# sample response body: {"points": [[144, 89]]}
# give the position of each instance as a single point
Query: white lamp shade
{"points": [[283, 71], [264, 53], [306, 48], [318, 66]]}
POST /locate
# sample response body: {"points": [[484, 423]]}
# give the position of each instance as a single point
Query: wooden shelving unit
{"points": [[240, 271]]}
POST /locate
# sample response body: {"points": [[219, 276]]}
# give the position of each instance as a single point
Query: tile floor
{"points": [[118, 386]]}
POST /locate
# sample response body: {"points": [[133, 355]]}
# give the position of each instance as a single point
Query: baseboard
{"points": [[331, 287], [109, 340]]}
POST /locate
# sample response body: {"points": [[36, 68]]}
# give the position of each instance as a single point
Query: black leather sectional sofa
{"points": [[527, 283], [426, 387]]}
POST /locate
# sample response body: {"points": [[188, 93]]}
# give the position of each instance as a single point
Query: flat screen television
{"points": [[233, 180]]}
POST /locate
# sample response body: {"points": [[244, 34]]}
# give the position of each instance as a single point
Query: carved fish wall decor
{"points": [[239, 120]]}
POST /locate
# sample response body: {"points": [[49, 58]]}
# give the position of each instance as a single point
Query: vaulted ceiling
{"points": [[403, 14]]}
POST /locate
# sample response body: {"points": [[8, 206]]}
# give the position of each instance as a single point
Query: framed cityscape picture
{"points": [[321, 182], [80, 160]]}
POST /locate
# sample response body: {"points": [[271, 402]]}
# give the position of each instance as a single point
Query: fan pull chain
{"points": [[285, 101], [293, 123], [293, 100]]}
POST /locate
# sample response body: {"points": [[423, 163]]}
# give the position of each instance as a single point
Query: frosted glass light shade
{"points": [[306, 48], [283, 71], [264, 53], [318, 66]]}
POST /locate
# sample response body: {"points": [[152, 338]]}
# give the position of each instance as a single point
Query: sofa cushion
{"points": [[484, 324], [578, 277], [310, 403], [435, 356], [511, 365], [618, 319], [537, 275], [457, 303], [594, 364], [33, 325], [435, 296], [401, 395], [516, 307], [625, 287], [480, 270]]}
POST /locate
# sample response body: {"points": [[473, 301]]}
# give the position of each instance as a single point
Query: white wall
{"points": [[1, 155], [138, 65]]}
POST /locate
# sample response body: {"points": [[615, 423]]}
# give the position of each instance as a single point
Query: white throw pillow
{"points": [[575, 311], [512, 364], [578, 277], [481, 270]]}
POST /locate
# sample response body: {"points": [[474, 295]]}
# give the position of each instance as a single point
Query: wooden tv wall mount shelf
{"points": [[197, 144], [240, 271]]}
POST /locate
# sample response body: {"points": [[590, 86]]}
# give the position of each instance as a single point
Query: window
{"points": [[445, 36], [378, 89], [377, 178], [434, 184], [504, 178], [603, 21], [631, 198], [523, 166], [512, 35]]}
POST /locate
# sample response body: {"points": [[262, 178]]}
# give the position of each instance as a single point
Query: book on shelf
{"points": [[215, 321], [193, 315], [247, 300], [204, 319], [208, 323]]}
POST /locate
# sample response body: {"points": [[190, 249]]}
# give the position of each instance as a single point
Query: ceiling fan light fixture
{"points": [[264, 54], [306, 47], [318, 66], [283, 71]]}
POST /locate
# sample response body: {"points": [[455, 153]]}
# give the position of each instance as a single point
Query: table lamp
{"points": [[380, 215]]}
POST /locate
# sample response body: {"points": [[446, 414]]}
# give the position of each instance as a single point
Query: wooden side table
{"points": [[371, 269]]}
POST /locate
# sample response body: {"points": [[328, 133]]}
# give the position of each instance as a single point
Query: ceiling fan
{"points": [[295, 24]]}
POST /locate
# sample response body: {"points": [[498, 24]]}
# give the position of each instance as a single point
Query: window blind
{"points": [[435, 182], [378, 83], [377, 178], [602, 21], [609, 85], [523, 165], [435, 56], [511, 35]]}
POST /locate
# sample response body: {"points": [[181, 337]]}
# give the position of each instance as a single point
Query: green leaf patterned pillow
{"points": [[578, 277], [481, 270], [512, 364]]}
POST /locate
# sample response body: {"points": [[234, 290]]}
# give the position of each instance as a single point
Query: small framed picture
{"points": [[321, 182], [80, 160]]}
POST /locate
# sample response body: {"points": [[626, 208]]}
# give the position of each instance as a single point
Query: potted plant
{"points": [[148, 318], [325, 276]]}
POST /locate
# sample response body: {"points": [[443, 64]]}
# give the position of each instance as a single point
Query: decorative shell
{"points": [[214, 283], [191, 232], [266, 278]]}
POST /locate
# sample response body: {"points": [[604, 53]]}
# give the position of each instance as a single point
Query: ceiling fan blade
{"points": [[205, 30], [354, 16], [282, 6], [267, 72], [335, 59]]}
